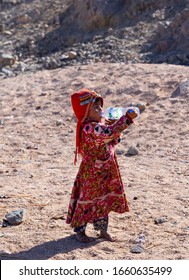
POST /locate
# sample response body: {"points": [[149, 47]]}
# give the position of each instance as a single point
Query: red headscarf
{"points": [[82, 102]]}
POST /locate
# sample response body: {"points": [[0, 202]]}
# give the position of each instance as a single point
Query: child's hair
{"points": [[98, 99]]}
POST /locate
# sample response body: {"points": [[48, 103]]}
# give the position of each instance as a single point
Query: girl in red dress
{"points": [[98, 188]]}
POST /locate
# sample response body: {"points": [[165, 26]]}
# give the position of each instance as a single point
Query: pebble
{"points": [[132, 151], [3, 196], [120, 151], [140, 239], [160, 220], [137, 249], [59, 122]]}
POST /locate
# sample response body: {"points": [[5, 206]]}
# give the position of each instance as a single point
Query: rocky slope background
{"points": [[45, 34]]}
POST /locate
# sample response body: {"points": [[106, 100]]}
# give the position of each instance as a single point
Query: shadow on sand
{"points": [[49, 249]]}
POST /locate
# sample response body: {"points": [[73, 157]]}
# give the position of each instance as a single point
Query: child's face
{"points": [[96, 111]]}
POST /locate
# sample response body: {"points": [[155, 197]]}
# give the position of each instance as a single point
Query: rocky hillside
{"points": [[44, 34]]}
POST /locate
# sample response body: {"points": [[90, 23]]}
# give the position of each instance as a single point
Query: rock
{"points": [[6, 60], [3, 196], [140, 239], [160, 220], [7, 72], [59, 122], [72, 55], [132, 151], [182, 90], [51, 64], [23, 19], [16, 217], [2, 27], [7, 32], [120, 151], [137, 249], [20, 67]]}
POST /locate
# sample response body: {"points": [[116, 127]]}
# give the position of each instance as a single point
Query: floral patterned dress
{"points": [[98, 188]]}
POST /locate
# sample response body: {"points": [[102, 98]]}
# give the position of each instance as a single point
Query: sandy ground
{"points": [[37, 141]]}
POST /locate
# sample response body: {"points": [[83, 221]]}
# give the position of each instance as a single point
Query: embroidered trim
{"points": [[99, 198], [87, 98]]}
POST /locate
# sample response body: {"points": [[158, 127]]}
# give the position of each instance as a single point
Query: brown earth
{"points": [[37, 141]]}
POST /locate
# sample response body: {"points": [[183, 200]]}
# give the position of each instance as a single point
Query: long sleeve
{"points": [[96, 134]]}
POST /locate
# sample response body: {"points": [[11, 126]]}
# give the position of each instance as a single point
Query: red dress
{"points": [[98, 188]]}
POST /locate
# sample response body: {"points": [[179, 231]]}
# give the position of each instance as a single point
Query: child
{"points": [[98, 188]]}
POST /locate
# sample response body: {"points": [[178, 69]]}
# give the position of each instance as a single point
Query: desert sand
{"points": [[37, 142]]}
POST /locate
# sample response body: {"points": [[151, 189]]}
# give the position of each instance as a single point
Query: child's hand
{"points": [[109, 122], [131, 114]]}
